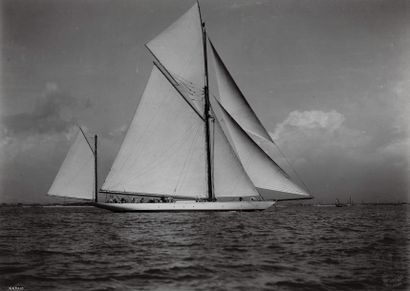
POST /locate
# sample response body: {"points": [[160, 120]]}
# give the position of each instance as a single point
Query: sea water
{"points": [[283, 248]]}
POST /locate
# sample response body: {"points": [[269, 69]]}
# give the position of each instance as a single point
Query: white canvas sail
{"points": [[180, 49], [75, 179], [163, 152], [235, 103], [263, 172], [230, 179]]}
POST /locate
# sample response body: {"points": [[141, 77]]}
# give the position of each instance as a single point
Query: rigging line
{"points": [[86, 138], [161, 69], [171, 79], [190, 91], [193, 84], [191, 94], [187, 82], [193, 88]]}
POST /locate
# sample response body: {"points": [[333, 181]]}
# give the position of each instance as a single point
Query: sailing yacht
{"points": [[195, 150]]}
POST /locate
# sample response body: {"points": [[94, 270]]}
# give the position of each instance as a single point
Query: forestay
{"points": [[75, 179], [163, 152]]}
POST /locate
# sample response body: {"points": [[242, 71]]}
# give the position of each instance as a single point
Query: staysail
{"points": [[75, 179], [240, 116], [163, 152], [263, 172], [234, 102], [230, 179]]}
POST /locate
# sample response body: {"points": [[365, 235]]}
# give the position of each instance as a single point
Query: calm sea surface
{"points": [[284, 248]]}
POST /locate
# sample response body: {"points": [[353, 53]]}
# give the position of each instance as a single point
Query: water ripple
{"points": [[287, 248]]}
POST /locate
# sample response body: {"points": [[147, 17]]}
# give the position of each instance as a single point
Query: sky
{"points": [[329, 79]]}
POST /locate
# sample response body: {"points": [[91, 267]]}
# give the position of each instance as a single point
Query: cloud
{"points": [[33, 144], [52, 113], [402, 104], [396, 149], [118, 132], [335, 159], [317, 131], [245, 4], [312, 119]]}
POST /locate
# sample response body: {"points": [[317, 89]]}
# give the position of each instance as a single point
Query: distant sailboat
{"points": [[208, 153], [339, 204]]}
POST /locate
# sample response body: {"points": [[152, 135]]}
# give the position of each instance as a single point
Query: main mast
{"points": [[207, 116]]}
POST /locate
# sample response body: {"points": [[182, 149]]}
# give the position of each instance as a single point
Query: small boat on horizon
{"points": [[186, 148], [340, 204]]}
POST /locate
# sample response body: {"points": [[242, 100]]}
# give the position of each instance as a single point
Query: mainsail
{"points": [[163, 152], [75, 179]]}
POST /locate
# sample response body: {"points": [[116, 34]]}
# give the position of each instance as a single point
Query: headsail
{"points": [[238, 107], [230, 179], [75, 179], [235, 103], [263, 172], [163, 152]]}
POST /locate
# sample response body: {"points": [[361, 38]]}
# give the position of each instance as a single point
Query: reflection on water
{"points": [[289, 248]]}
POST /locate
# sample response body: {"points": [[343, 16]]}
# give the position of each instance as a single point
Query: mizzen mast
{"points": [[95, 170]]}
